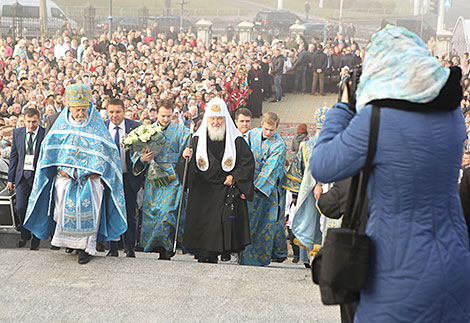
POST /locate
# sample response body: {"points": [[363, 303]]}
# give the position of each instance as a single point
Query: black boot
{"points": [[225, 256], [83, 257], [112, 253], [165, 254]]}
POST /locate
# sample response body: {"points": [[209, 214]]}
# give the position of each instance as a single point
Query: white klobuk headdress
{"points": [[217, 108]]}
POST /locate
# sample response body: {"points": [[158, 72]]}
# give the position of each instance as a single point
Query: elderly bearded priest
{"points": [[78, 183], [220, 180]]}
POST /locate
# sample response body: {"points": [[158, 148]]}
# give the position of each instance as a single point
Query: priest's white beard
{"points": [[216, 134]]}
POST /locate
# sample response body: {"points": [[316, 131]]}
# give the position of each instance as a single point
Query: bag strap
{"points": [[355, 203]]}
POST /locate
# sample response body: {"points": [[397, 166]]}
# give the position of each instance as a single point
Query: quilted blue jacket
{"points": [[420, 260]]}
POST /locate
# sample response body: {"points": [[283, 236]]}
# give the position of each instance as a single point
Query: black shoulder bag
{"points": [[340, 267]]}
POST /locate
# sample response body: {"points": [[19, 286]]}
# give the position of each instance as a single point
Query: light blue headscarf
{"points": [[399, 66]]}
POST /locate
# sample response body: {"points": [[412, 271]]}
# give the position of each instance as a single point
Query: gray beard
{"points": [[216, 134], [79, 120]]}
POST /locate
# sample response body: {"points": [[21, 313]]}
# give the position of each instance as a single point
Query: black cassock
{"points": [[255, 100], [464, 191], [216, 216]]}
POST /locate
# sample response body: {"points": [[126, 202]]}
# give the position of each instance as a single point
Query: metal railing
{"points": [[26, 27], [188, 12], [232, 12]]}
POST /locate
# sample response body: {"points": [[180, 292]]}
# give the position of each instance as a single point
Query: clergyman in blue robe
{"points": [[161, 202], [266, 211], [77, 191]]}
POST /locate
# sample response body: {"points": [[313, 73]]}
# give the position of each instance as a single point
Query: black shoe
{"points": [[68, 250], [165, 254], [295, 259], [83, 257], [212, 260], [274, 101], [22, 243], [113, 253], [55, 248], [101, 246], [34, 247], [279, 259], [307, 265], [225, 256], [129, 253]]}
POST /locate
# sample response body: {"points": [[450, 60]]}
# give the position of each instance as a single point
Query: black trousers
{"points": [[23, 191], [348, 311], [131, 205], [295, 248]]}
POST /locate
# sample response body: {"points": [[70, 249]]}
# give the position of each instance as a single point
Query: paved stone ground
{"points": [[50, 286], [296, 108]]}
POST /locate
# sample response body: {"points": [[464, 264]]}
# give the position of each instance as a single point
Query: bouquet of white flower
{"points": [[151, 138]]}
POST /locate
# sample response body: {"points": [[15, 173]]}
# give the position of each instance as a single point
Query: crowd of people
{"points": [[69, 102], [142, 67]]}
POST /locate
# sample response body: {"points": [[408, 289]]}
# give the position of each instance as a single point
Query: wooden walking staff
{"points": [[185, 174]]}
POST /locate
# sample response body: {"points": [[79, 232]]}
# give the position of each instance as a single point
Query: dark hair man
{"points": [[243, 121], [161, 201], [23, 159], [118, 127]]}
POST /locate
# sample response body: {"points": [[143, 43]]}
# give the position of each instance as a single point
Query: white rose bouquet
{"points": [[150, 137], [145, 137]]}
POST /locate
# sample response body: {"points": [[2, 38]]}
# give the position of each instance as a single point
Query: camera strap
{"points": [[355, 202]]}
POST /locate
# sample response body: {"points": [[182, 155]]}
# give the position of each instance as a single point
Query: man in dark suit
{"points": [[23, 159], [319, 63], [118, 126], [50, 121]]}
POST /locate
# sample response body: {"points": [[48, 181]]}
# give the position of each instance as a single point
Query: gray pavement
{"points": [[297, 108], [50, 286]]}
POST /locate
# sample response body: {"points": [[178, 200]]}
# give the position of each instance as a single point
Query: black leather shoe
{"points": [[68, 250], [212, 260], [165, 255], [21, 243], [112, 253], [83, 257], [225, 256], [279, 259], [307, 265], [100, 246], [129, 253], [55, 248], [295, 259]]}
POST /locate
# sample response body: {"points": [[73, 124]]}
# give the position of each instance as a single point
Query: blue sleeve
{"points": [[341, 148], [272, 170]]}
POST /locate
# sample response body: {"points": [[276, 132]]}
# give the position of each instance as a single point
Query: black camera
{"points": [[350, 79]]}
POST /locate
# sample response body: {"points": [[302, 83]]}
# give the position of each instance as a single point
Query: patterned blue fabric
{"points": [[398, 65], [420, 260], [160, 206], [78, 207], [306, 223], [79, 150], [266, 211]]}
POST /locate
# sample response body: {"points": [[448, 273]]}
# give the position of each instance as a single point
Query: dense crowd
{"points": [[143, 67]]}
